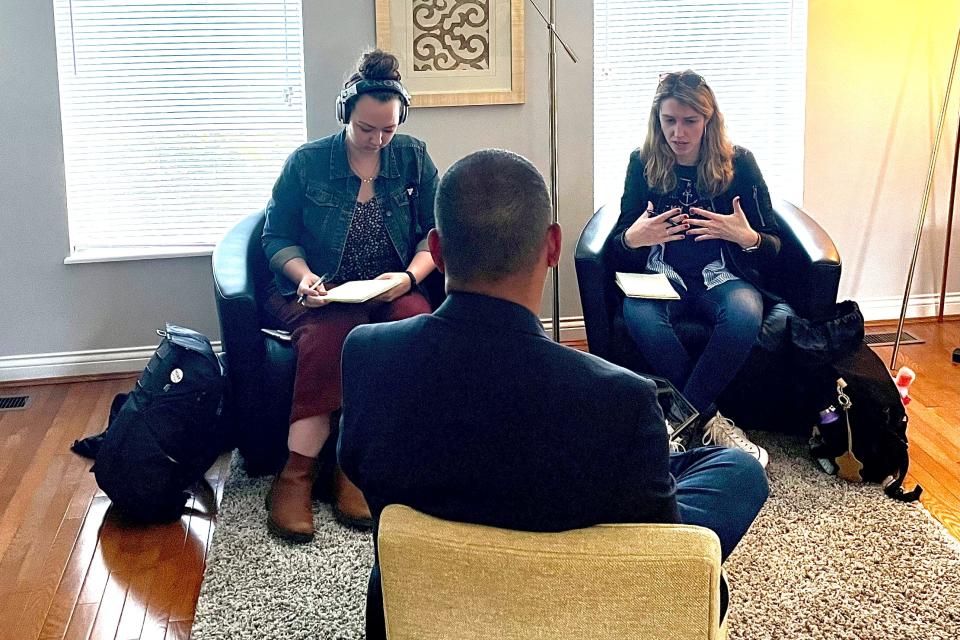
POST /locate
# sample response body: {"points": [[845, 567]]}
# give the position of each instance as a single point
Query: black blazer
{"points": [[473, 414]]}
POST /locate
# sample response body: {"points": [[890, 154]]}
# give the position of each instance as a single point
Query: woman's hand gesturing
{"points": [[649, 229], [717, 226]]}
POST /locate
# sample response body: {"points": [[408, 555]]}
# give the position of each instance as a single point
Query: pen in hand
{"points": [[313, 287]]}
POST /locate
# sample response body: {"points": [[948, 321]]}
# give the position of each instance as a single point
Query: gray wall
{"points": [[49, 307]]}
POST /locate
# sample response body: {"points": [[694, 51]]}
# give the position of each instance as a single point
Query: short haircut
{"points": [[492, 213]]}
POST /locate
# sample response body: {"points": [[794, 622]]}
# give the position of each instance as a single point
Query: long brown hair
{"points": [[715, 166]]}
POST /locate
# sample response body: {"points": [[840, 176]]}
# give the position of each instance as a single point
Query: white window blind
{"points": [[752, 54], [176, 118]]}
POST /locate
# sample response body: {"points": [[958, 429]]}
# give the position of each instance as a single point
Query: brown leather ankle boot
{"points": [[349, 506], [290, 510]]}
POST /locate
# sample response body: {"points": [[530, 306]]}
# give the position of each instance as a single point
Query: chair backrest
{"points": [[444, 579]]}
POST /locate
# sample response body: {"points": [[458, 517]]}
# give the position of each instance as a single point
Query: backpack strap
{"points": [[893, 485]]}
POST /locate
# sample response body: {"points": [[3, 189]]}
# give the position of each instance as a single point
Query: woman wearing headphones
{"points": [[356, 205], [696, 209]]}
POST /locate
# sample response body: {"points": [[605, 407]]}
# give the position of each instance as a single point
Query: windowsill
{"points": [[137, 253]]}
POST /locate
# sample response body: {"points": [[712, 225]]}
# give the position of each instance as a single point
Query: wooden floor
{"points": [[934, 410], [70, 568]]}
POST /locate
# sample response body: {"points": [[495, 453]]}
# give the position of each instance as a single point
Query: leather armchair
{"points": [[260, 367], [807, 278], [444, 579]]}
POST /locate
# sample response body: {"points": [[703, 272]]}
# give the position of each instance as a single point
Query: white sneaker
{"points": [[724, 433]]}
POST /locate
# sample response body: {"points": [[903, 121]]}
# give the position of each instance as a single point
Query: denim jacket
{"points": [[314, 201]]}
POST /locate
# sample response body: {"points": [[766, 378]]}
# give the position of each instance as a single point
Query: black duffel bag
{"points": [[165, 434]]}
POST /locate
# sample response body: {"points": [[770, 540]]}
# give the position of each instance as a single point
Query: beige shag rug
{"points": [[825, 560]]}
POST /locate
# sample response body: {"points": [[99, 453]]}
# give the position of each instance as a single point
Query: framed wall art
{"points": [[456, 52]]}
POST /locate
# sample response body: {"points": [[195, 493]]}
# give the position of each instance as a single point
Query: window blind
{"points": [[176, 117], [752, 54]]}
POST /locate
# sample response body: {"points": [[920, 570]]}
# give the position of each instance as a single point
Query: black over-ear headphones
{"points": [[369, 86]]}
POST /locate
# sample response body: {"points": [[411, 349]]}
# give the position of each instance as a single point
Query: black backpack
{"points": [[165, 434], [860, 424]]}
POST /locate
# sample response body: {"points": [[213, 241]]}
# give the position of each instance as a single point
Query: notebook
{"points": [[357, 291], [646, 285]]}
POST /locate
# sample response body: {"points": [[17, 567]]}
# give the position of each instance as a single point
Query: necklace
{"points": [[363, 180]]}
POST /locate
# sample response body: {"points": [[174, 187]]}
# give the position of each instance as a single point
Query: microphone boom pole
{"points": [[554, 163]]}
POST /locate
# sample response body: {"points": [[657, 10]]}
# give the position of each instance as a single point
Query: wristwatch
{"points": [[413, 280]]}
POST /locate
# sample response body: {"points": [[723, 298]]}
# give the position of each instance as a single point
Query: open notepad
{"points": [[360, 290], [646, 285]]}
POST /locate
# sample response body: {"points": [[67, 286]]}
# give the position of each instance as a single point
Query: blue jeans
{"points": [[720, 489], [735, 309]]}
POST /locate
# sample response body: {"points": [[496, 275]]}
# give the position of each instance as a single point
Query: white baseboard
{"points": [[76, 363], [920, 306]]}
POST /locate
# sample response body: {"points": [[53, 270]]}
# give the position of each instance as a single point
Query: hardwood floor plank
{"points": [[133, 616], [31, 618], [166, 574], [96, 578], [111, 606], [44, 582], [22, 447], [939, 447], [81, 622], [193, 552], [153, 630], [179, 630], [948, 516], [59, 471], [12, 605], [947, 513], [74, 573], [947, 487], [83, 496], [49, 530], [27, 549], [933, 425]]}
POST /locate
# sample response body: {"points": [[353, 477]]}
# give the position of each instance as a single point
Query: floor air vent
{"points": [[888, 338], [10, 403]]}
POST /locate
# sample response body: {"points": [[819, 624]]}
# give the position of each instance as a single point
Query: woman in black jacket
{"points": [[696, 209]]}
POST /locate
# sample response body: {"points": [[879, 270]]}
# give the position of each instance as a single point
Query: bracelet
{"points": [[754, 247], [413, 280]]}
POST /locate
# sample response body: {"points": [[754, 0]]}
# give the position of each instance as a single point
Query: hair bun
{"points": [[379, 65]]}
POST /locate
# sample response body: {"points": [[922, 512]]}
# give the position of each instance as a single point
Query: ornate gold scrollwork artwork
{"points": [[451, 35]]}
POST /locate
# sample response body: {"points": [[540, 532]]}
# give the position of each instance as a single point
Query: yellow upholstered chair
{"points": [[445, 579]]}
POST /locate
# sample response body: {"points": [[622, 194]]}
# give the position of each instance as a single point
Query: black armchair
{"points": [[260, 366], [807, 278]]}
